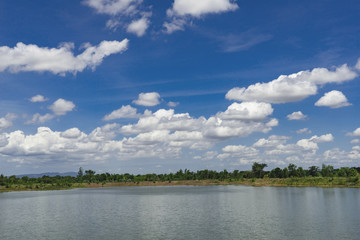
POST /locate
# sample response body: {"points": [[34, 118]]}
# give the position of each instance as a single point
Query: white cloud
{"points": [[355, 141], [38, 118], [104, 133], [128, 13], [183, 9], [176, 24], [240, 153], [311, 143], [113, 24], [200, 7], [62, 106], [148, 99], [209, 155], [71, 133], [59, 107], [291, 88], [304, 130], [162, 134], [296, 116], [247, 111], [271, 142], [114, 7], [139, 26], [172, 104], [341, 157], [6, 122], [357, 66], [323, 138], [355, 133], [25, 58], [239, 123], [123, 112], [38, 98], [333, 99], [357, 148], [272, 123], [240, 149], [276, 151], [241, 42], [164, 120]]}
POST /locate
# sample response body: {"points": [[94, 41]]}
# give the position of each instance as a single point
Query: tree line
{"points": [[257, 171]]}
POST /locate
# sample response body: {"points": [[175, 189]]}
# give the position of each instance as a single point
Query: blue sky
{"points": [[155, 86]]}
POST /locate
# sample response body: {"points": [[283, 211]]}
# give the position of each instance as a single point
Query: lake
{"points": [[182, 212]]}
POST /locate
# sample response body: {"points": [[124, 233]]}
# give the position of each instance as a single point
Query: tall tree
{"points": [[258, 169], [80, 172]]}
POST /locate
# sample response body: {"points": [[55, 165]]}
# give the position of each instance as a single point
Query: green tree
{"points": [[352, 172], [80, 173], [327, 170], [292, 170], [258, 169], [276, 173], [89, 175], [301, 172], [314, 171]]}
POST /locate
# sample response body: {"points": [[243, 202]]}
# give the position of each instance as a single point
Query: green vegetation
{"points": [[292, 175]]}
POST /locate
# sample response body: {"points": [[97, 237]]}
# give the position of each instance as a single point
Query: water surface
{"points": [[182, 212]]}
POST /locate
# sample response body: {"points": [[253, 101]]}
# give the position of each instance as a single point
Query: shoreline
{"points": [[264, 182]]}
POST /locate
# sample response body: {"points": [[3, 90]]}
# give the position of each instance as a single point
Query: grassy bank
{"points": [[275, 182]]}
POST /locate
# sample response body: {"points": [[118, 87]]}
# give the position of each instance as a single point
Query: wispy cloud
{"points": [[242, 41], [130, 14]]}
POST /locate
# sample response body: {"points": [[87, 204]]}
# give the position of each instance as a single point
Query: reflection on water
{"points": [[182, 212]]}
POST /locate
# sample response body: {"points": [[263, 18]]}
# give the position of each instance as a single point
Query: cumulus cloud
{"points": [[26, 58], [200, 7], [240, 153], [148, 99], [323, 138], [293, 87], [123, 112], [247, 111], [355, 141], [304, 149], [296, 116], [333, 99], [38, 98], [311, 143], [138, 27], [276, 150], [71, 133], [62, 106], [182, 10], [161, 134], [341, 157], [355, 133], [7, 121], [238, 121]]}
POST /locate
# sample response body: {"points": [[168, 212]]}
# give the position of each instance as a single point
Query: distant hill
{"points": [[50, 174]]}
